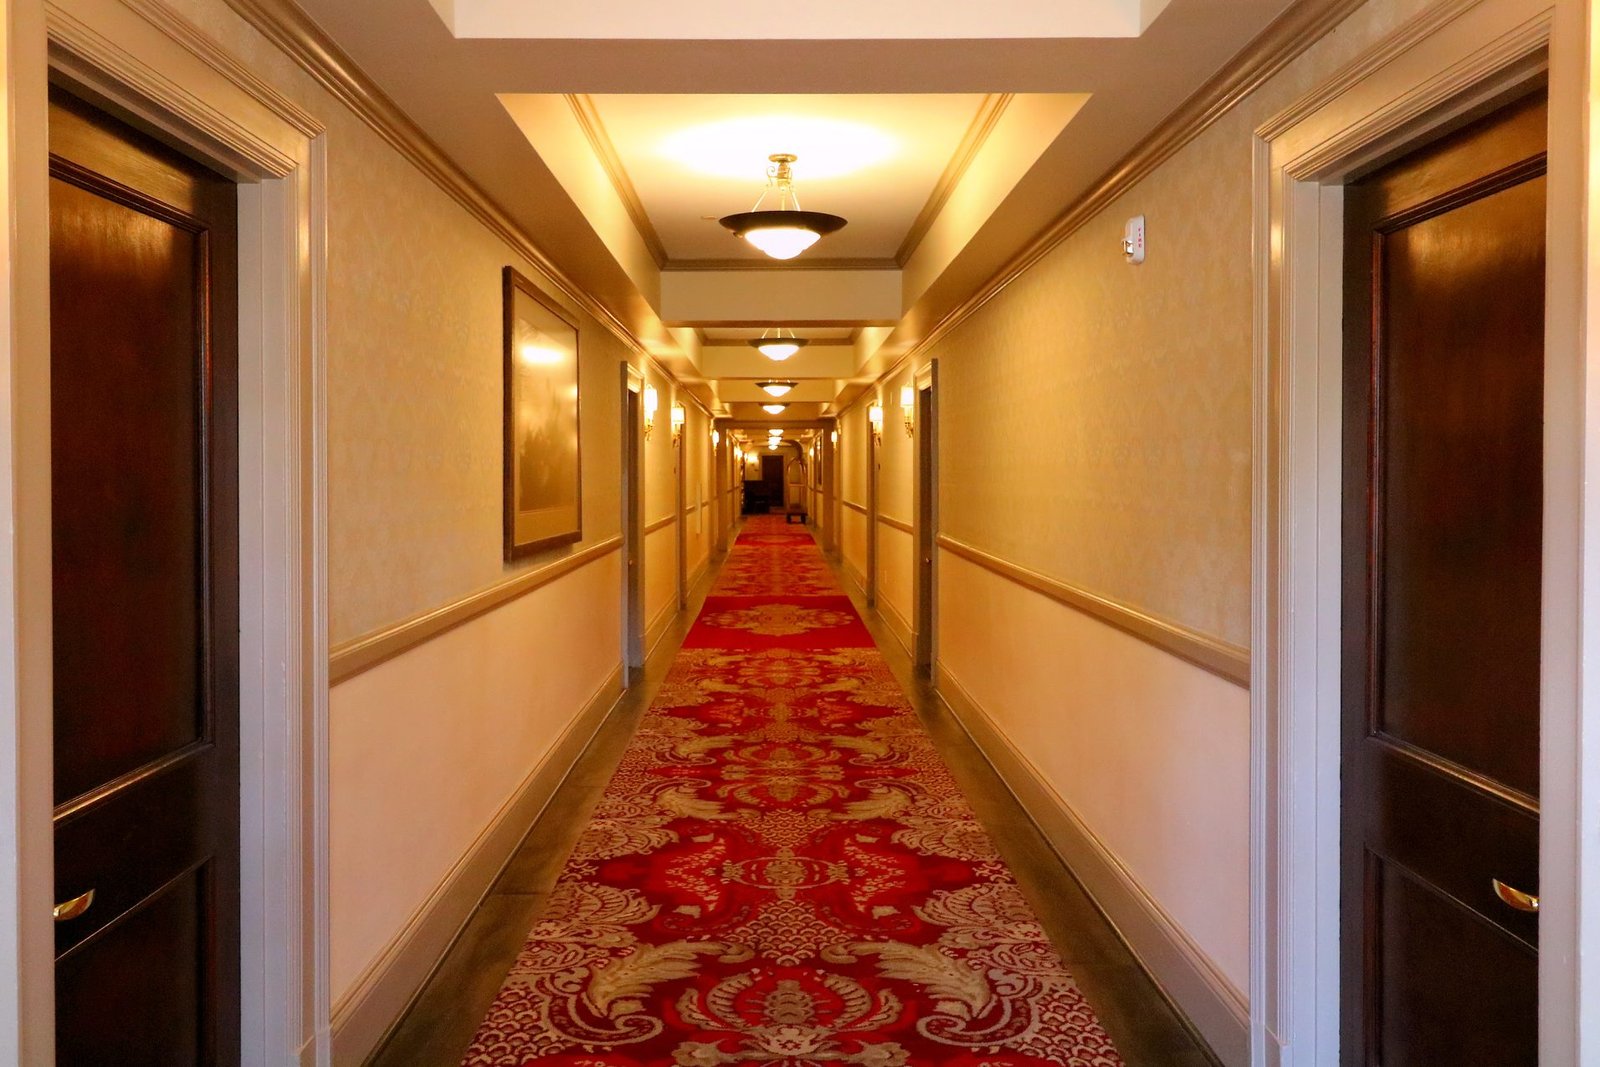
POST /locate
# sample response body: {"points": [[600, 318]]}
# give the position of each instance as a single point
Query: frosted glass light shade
{"points": [[782, 242], [776, 388]]}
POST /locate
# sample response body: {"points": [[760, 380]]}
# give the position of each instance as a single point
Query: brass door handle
{"points": [[71, 909], [1515, 898]]}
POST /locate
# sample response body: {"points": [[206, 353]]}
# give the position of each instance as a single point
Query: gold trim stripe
{"points": [[660, 524], [1225, 660], [853, 506], [363, 653]]}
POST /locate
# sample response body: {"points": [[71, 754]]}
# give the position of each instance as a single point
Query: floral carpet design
{"points": [[783, 872]]}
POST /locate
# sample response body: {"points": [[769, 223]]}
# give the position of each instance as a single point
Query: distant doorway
{"points": [[772, 481], [926, 505], [632, 525]]}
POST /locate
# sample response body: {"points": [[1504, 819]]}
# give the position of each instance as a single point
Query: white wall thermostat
{"points": [[1133, 240]]}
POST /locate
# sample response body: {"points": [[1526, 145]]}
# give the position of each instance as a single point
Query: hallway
{"points": [[753, 867], [647, 535]]}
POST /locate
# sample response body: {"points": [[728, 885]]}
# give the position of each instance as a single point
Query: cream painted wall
{"points": [[1151, 753], [426, 748]]}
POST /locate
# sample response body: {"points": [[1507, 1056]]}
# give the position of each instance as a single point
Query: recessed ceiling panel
{"points": [[875, 160]]}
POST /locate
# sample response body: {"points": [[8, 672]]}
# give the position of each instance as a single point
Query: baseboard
{"points": [[896, 624], [853, 576], [699, 572], [1213, 1006], [659, 626], [382, 995]]}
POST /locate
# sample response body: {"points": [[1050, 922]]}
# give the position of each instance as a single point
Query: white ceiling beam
{"points": [[780, 297], [713, 20]]}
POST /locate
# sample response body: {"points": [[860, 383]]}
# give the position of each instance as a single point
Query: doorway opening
{"points": [[926, 507], [633, 623]]}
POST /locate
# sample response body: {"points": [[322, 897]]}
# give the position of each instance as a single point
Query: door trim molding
{"points": [[1453, 60], [149, 65]]}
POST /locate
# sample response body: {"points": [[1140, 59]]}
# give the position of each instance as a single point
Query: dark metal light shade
{"points": [[783, 234]]}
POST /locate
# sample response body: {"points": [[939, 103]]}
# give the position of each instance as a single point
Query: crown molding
{"points": [[605, 150], [287, 25], [983, 123], [1283, 41]]}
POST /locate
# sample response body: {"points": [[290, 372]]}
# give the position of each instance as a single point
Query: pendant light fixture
{"points": [[785, 231], [778, 345], [774, 409], [776, 388]]}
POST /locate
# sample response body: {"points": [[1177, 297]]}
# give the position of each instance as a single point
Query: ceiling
{"points": [[948, 134], [876, 160]]}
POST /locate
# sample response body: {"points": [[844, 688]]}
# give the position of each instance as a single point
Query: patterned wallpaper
{"points": [[1096, 417]]}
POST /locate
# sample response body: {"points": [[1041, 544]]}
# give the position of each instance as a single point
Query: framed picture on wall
{"points": [[543, 485]]}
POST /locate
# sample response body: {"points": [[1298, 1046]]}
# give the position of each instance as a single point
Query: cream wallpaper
{"points": [[414, 373], [1096, 417]]}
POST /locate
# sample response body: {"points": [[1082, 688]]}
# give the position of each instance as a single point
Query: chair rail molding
{"points": [[1453, 59]]}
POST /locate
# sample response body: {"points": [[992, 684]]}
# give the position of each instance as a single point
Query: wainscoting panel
{"points": [[1135, 764]]}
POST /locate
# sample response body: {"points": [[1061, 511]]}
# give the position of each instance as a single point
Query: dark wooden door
{"points": [[146, 619], [772, 476], [1444, 326]]}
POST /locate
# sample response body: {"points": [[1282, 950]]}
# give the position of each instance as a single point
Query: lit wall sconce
{"points": [[908, 407], [651, 399], [678, 417], [716, 439], [875, 416], [834, 438]]}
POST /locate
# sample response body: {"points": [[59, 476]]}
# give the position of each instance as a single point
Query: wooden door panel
{"points": [[1457, 839], [128, 548], [145, 579], [1432, 1002], [1458, 546], [1443, 496], [130, 991]]}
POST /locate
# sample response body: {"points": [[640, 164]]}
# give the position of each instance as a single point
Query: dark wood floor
{"points": [[438, 1027]]}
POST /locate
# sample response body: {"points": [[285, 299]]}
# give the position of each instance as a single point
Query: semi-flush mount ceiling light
{"points": [[774, 409], [785, 231], [778, 345], [776, 388]]}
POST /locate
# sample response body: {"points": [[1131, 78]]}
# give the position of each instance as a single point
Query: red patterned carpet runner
{"points": [[784, 872]]}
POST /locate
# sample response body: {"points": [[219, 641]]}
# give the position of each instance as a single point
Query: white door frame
{"points": [[1455, 58], [146, 63]]}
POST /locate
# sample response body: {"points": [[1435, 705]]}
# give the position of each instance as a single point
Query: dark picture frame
{"points": [[543, 486]]}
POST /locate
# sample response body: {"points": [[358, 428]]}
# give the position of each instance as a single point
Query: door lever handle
{"points": [[1515, 898], [71, 909]]}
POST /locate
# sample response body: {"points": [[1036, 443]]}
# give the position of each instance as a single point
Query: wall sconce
{"points": [[652, 399], [875, 416], [678, 417], [908, 407], [716, 439], [834, 438]]}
